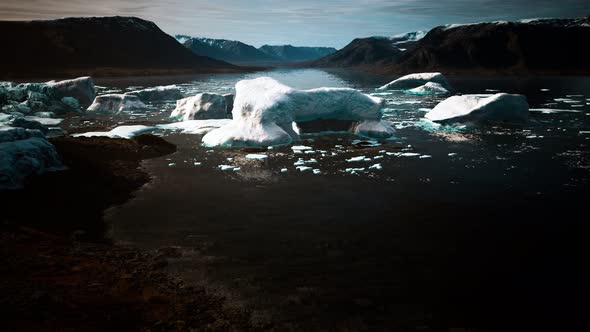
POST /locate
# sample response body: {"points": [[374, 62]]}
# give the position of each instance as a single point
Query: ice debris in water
{"points": [[256, 156], [354, 170], [356, 159], [304, 168], [552, 110], [228, 168], [284, 170], [317, 171], [376, 167]]}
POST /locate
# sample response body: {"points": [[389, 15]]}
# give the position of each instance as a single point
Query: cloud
{"points": [[310, 22]]}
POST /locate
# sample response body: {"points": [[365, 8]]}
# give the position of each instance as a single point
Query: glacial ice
{"points": [[119, 132], [203, 106], [24, 153], [498, 107], [416, 80], [198, 127], [264, 112], [116, 103], [81, 88]]}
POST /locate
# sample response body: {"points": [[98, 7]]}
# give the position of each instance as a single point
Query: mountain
{"points": [[289, 53], [361, 52], [551, 46], [95, 46], [238, 52], [226, 50]]}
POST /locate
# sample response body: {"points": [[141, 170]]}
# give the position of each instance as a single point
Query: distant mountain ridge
{"points": [[238, 52], [96, 46], [552, 46]]}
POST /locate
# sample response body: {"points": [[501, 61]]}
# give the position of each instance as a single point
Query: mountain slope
{"points": [[95, 45], [226, 50], [291, 53], [528, 46]]}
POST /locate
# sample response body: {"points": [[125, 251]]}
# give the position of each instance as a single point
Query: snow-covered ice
{"points": [[159, 93], [119, 132], [430, 88], [499, 107]]}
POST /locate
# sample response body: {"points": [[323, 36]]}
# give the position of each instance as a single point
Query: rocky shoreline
{"points": [[62, 273]]}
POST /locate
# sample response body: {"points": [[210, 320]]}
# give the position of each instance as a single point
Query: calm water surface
{"points": [[457, 226]]}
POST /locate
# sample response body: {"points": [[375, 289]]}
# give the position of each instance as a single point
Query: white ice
{"points": [[499, 107], [415, 80]]}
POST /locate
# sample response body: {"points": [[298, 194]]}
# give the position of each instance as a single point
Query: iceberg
{"points": [[81, 88], [472, 108], [203, 106], [416, 80], [116, 103], [265, 110], [159, 93], [24, 153]]}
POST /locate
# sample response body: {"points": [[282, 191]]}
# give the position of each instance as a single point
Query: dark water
{"points": [[460, 227]]}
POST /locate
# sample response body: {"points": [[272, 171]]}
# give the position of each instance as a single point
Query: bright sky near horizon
{"points": [[303, 23]]}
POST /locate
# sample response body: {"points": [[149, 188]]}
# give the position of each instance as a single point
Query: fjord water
{"points": [[458, 225]]}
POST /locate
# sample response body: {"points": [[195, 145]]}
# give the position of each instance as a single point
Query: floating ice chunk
{"points": [[378, 157], [116, 103], [198, 127], [452, 154], [584, 132], [370, 143], [284, 170], [228, 168], [566, 100], [354, 170], [316, 171], [159, 93], [304, 168], [373, 128], [408, 154], [119, 132], [300, 147], [429, 88], [424, 156], [544, 90], [197, 163], [256, 156], [264, 112], [356, 159], [499, 107], [172, 164], [203, 106], [376, 167], [415, 80]]}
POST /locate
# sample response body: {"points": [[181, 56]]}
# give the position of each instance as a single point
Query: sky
{"points": [[297, 22]]}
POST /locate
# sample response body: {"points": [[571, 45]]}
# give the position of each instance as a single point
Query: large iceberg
{"points": [[160, 93], [474, 108], [203, 106], [116, 103], [265, 111], [24, 153], [416, 80]]}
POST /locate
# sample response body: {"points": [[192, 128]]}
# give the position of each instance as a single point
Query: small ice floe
{"points": [[452, 154], [376, 167], [316, 171], [578, 105], [424, 156], [284, 170], [229, 159], [534, 136], [584, 132], [301, 162], [119, 132], [552, 110], [300, 148], [354, 170], [492, 90], [544, 90], [197, 163], [228, 168], [303, 168], [356, 159], [574, 96], [409, 154], [377, 157], [172, 164], [256, 156]]}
